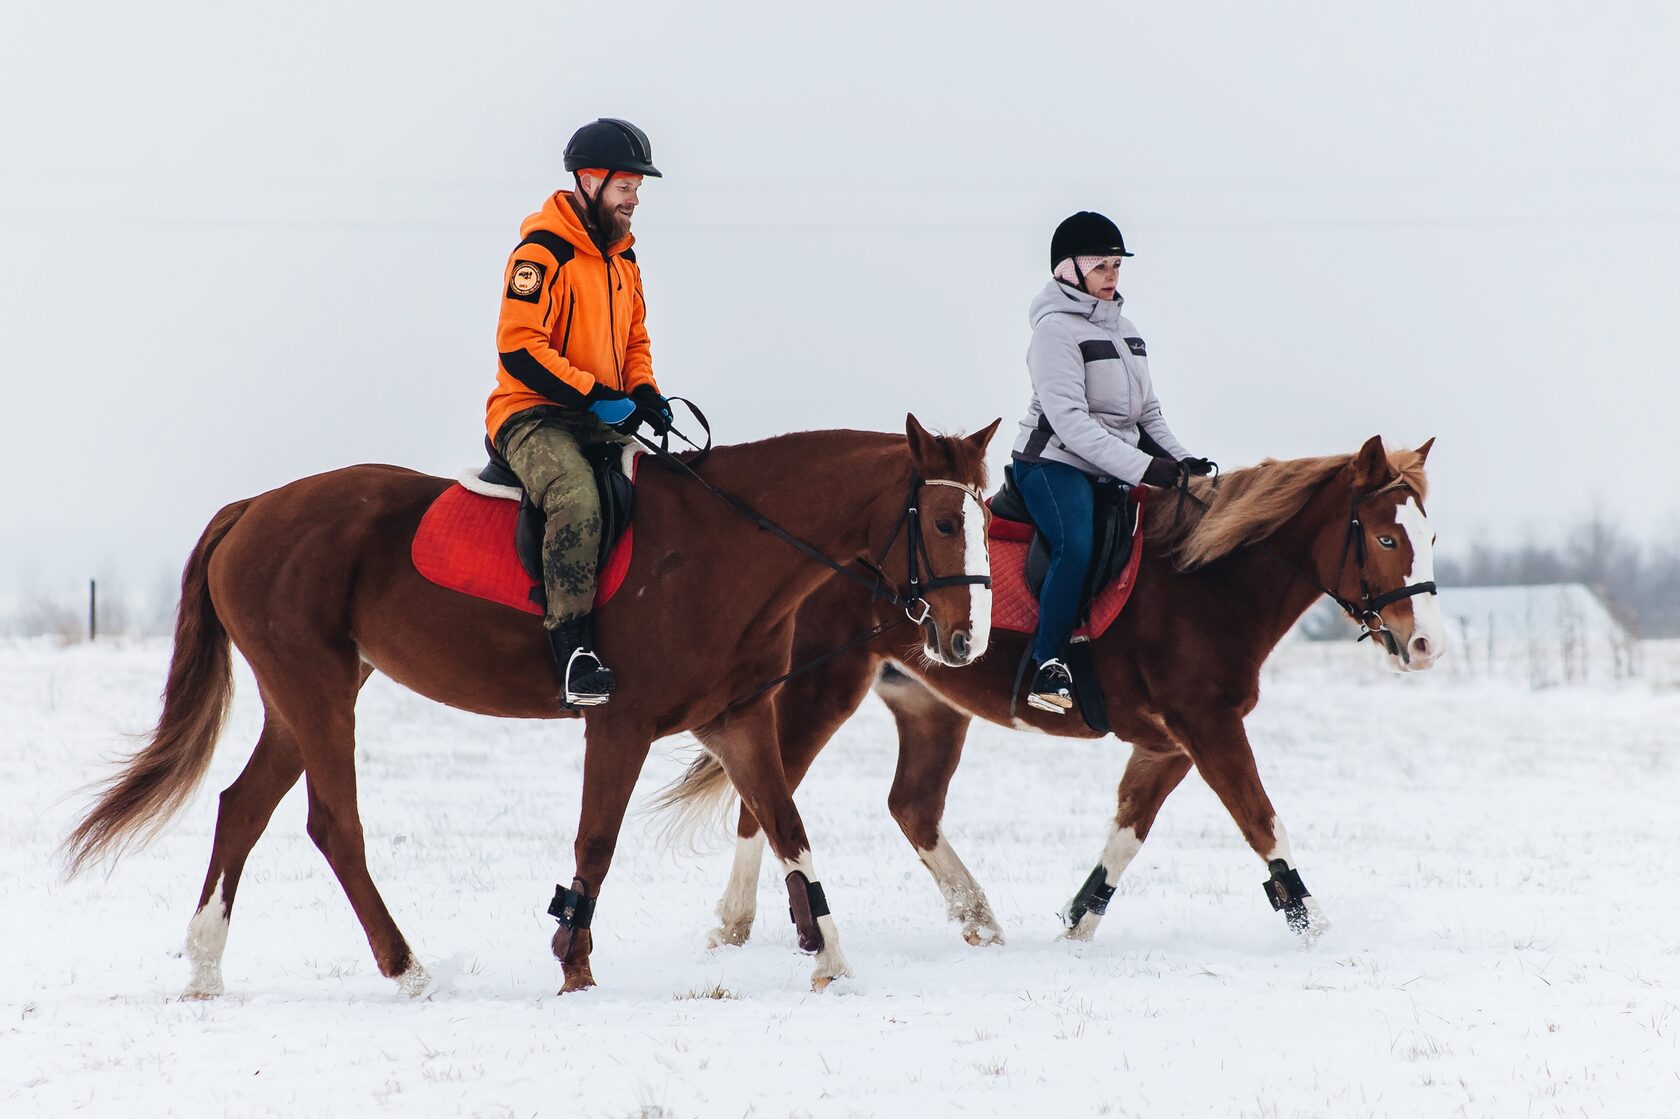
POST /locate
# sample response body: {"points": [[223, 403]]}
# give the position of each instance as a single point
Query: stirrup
{"points": [[590, 698], [1059, 702]]}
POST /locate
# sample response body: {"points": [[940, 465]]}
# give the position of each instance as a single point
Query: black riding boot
{"points": [[584, 680]]}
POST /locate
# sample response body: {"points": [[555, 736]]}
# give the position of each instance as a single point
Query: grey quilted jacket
{"points": [[1091, 388]]}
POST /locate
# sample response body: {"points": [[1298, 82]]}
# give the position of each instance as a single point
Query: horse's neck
{"points": [[822, 487], [1276, 579]]}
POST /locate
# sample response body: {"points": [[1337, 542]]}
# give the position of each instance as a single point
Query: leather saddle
{"points": [[618, 501], [1114, 518]]}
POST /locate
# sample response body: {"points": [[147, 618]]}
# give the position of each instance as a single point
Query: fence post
{"points": [[93, 609]]}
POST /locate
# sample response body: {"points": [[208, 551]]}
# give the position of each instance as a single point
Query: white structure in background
{"points": [[1544, 636]]}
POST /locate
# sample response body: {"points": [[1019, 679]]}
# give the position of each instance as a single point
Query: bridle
{"points": [[1368, 610], [916, 553]]}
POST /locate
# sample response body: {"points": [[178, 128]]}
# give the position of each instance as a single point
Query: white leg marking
{"points": [[206, 940], [739, 904], [964, 899], [414, 982], [1317, 923], [1280, 843], [1122, 847], [831, 964], [1427, 620], [977, 560]]}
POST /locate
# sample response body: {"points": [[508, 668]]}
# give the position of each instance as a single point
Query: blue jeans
{"points": [[1059, 498]]}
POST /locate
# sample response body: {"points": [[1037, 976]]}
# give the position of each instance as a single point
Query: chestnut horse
{"points": [[314, 584], [1223, 577]]}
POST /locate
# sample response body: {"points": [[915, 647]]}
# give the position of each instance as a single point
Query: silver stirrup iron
{"points": [[575, 699]]}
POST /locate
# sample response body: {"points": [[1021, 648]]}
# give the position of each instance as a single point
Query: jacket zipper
{"points": [[571, 313], [612, 327]]}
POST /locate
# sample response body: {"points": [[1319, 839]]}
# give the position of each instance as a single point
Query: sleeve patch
{"points": [[526, 281], [1137, 347]]}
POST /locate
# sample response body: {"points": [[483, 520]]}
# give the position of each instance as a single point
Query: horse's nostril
{"points": [[1421, 646], [959, 644]]}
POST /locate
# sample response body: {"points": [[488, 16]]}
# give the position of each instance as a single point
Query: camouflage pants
{"points": [[545, 448]]}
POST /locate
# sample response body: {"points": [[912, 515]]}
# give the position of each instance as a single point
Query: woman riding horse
{"points": [[1091, 398]]}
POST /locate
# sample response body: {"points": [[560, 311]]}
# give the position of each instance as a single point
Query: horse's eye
{"points": [[945, 528], [1386, 541]]}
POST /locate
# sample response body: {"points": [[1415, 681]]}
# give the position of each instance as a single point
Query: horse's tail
{"points": [[700, 800], [134, 805]]}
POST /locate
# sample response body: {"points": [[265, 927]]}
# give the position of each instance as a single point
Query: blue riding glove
{"points": [[613, 411]]}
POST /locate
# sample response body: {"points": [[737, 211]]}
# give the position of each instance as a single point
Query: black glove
{"points": [[652, 409], [1197, 467], [1162, 472]]}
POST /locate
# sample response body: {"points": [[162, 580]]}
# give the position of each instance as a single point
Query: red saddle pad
{"points": [[466, 543], [1014, 606]]}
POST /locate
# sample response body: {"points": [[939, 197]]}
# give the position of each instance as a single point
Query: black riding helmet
{"points": [[1086, 234], [613, 145]]}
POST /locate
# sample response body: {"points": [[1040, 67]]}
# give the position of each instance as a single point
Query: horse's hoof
{"points": [[206, 983], [1315, 926], [1084, 929], [728, 936], [982, 936], [414, 982], [578, 978]]}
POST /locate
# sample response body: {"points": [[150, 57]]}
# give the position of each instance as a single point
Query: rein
{"points": [[915, 607]]}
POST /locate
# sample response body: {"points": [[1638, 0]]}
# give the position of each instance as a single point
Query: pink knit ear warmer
{"points": [[1064, 270]]}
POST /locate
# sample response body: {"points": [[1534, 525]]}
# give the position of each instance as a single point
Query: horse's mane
{"points": [[1249, 505]]}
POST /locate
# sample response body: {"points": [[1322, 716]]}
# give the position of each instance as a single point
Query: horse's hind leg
{"points": [[739, 904], [1154, 772], [318, 703], [746, 746], [930, 742], [246, 806], [809, 710], [1225, 760]]}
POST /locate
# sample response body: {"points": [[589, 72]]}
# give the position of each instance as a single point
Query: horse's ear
{"points": [[983, 438], [921, 443], [1423, 451], [1370, 465]]}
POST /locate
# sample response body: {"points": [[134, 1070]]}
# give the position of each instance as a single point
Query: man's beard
{"points": [[615, 226]]}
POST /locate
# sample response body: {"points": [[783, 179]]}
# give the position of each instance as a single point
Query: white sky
{"points": [[243, 244]]}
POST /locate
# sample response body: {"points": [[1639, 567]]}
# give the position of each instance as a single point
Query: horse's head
{"points": [[1386, 556], [937, 552]]}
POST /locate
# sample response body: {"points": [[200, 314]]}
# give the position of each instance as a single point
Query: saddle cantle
{"points": [[463, 542], [1021, 556]]}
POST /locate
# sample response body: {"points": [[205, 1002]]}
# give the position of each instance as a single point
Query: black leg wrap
{"points": [[571, 908], [1093, 897], [805, 904], [1285, 890]]}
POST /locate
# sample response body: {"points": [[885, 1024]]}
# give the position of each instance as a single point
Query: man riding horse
{"points": [[575, 371]]}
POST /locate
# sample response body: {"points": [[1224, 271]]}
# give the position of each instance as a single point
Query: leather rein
{"points": [[919, 577]]}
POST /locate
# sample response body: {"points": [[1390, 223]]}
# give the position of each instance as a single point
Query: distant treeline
{"points": [[1639, 582]]}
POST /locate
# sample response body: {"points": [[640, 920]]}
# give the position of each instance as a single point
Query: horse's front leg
{"points": [[1156, 768], [1220, 748], [746, 745], [930, 743], [612, 759]]}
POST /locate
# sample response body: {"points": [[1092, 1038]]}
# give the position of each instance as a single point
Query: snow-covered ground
{"points": [[1497, 864]]}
